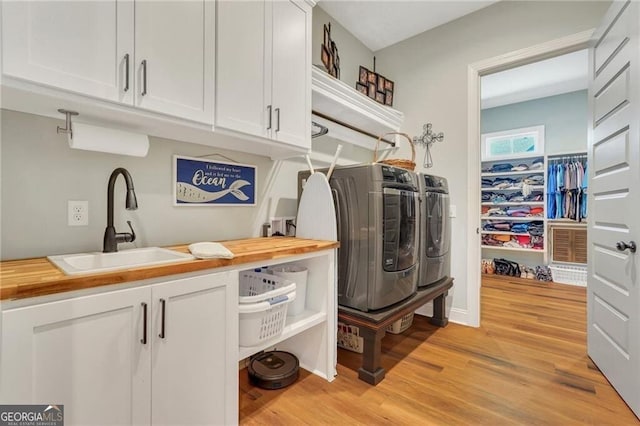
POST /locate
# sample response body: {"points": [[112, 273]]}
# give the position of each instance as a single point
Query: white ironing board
{"points": [[316, 213]]}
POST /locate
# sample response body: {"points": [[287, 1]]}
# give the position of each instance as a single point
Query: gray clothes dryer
{"points": [[378, 228], [435, 230]]}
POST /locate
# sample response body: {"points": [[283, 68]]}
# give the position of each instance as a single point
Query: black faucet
{"points": [[111, 237]]}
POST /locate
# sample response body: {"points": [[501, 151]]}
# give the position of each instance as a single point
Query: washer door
{"points": [[438, 225], [399, 229]]}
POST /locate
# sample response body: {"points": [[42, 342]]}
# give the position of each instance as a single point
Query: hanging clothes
{"points": [[567, 188]]}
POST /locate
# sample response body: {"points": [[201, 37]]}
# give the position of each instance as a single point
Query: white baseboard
{"points": [[459, 316]]}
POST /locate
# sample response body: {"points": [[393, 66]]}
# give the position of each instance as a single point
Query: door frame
{"points": [[552, 48]]}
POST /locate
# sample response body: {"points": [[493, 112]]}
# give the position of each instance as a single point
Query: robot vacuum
{"points": [[273, 370]]}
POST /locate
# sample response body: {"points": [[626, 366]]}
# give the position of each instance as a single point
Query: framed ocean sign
{"points": [[200, 182]]}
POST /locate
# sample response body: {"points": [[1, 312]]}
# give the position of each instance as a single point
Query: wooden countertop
{"points": [[37, 277]]}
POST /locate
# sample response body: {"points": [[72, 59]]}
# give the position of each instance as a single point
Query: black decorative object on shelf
{"points": [[375, 85], [329, 53]]}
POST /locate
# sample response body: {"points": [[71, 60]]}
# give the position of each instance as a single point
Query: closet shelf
{"points": [[514, 219], [508, 203], [530, 250], [504, 233], [510, 173], [534, 187]]}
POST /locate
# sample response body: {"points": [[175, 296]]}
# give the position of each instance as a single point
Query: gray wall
{"points": [[351, 50], [40, 173], [564, 118], [430, 73]]}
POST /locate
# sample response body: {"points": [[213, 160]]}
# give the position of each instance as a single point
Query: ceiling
{"points": [[381, 23], [562, 74]]}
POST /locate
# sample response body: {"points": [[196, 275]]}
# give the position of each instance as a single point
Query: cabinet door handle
{"points": [[144, 324], [277, 119], [126, 72], [270, 115], [144, 77], [163, 305]]}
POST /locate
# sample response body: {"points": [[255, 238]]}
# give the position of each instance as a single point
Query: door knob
{"points": [[622, 246]]}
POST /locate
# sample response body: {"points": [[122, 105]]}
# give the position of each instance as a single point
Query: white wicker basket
{"points": [[569, 274], [401, 325], [264, 299]]}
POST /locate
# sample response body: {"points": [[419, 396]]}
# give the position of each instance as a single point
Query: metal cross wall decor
{"points": [[427, 139]]}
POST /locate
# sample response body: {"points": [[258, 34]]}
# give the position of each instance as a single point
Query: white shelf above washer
{"points": [[336, 99]]}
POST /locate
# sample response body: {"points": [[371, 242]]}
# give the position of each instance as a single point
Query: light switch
{"points": [[453, 212]]}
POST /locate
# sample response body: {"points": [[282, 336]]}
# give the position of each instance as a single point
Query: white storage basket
{"points": [[401, 325], [258, 286], [264, 299], [569, 274]]}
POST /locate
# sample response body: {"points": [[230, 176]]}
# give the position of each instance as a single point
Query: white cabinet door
{"points": [[174, 58], [85, 353], [292, 73], [77, 46], [243, 81], [195, 350]]}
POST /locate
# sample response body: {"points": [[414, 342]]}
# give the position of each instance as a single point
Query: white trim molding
{"points": [[475, 70]]}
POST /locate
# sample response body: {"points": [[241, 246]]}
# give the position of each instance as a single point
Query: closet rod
{"points": [[349, 126]]}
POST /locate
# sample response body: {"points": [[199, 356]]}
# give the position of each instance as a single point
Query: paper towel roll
{"points": [[104, 139]]}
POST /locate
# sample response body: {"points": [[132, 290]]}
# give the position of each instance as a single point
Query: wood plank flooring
{"points": [[526, 364]]}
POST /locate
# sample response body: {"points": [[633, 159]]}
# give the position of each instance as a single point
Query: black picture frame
{"points": [[362, 88], [372, 77], [327, 36], [380, 97], [325, 57], [363, 75], [388, 85], [380, 83], [371, 90], [388, 98]]}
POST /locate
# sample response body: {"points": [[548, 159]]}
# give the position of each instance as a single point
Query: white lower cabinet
{"points": [[120, 358]]}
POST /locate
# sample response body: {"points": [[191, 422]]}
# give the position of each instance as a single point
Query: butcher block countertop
{"points": [[21, 279]]}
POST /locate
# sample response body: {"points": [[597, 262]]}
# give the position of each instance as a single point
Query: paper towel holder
{"points": [[67, 128]]}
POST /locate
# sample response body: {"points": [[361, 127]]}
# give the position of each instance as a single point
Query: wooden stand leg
{"points": [[439, 313], [371, 370]]}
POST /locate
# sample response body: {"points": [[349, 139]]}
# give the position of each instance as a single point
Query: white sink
{"points": [[89, 263]]}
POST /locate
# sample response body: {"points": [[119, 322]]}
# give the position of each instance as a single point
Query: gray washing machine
{"points": [[435, 230], [377, 209]]}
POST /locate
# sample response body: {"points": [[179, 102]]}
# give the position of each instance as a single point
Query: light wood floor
{"points": [[526, 364]]}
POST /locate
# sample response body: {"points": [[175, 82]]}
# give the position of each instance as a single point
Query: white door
{"points": [[83, 47], [243, 79], [85, 353], [613, 304], [291, 73], [195, 347], [174, 58]]}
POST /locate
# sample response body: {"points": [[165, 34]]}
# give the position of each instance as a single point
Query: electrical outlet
{"points": [[279, 225], [77, 213]]}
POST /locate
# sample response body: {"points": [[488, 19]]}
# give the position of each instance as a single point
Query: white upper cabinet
{"points": [[174, 53], [242, 91], [81, 47], [263, 70], [291, 75], [161, 60]]}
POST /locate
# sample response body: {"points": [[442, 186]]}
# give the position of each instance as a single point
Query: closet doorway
{"points": [[533, 171]]}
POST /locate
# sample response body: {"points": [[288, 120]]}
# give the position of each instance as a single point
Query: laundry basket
{"points": [[264, 299], [569, 274], [400, 325]]}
